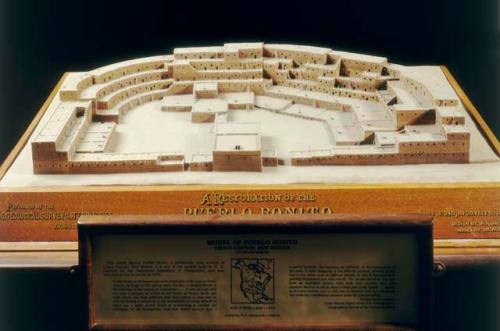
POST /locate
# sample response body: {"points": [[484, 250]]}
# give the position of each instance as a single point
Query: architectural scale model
{"points": [[373, 112]]}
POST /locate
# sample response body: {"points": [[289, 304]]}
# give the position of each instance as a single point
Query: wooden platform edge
{"points": [[64, 246], [472, 110], [39, 255]]}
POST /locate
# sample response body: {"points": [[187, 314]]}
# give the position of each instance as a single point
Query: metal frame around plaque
{"points": [[288, 272]]}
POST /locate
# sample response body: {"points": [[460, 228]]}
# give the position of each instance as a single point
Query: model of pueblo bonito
{"points": [[371, 112]]}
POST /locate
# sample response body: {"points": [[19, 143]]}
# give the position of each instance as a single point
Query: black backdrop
{"points": [[39, 40]]}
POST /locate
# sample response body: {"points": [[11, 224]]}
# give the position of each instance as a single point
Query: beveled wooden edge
{"points": [[352, 220], [27, 133], [466, 247], [245, 187], [48, 260], [39, 260], [492, 252], [458, 245], [470, 108], [485, 130], [38, 246], [461, 243]]}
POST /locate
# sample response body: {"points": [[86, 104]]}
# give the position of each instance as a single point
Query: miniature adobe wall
{"points": [[417, 110]]}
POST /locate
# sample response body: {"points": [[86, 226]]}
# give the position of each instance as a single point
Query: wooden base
{"points": [[460, 210]]}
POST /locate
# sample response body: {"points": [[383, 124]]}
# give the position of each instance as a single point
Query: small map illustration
{"points": [[252, 281]]}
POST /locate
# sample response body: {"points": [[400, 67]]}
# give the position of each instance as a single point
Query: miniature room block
{"points": [[237, 147], [205, 90]]}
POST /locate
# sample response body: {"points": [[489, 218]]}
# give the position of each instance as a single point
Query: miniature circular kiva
{"points": [[245, 106]]}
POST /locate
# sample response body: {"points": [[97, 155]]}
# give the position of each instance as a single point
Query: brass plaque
{"points": [[270, 277]]}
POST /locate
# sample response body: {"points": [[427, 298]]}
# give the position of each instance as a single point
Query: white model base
{"points": [[175, 132]]}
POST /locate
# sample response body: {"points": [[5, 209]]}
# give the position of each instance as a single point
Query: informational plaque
{"points": [[353, 272]]}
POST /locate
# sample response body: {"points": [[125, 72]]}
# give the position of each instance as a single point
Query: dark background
{"points": [[39, 40]]}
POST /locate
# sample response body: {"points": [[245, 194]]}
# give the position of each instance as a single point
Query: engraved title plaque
{"points": [[255, 272]]}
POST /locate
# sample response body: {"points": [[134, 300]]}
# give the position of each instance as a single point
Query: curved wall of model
{"points": [[376, 112]]}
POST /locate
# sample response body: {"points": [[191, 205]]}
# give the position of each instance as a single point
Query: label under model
{"points": [[255, 279]]}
